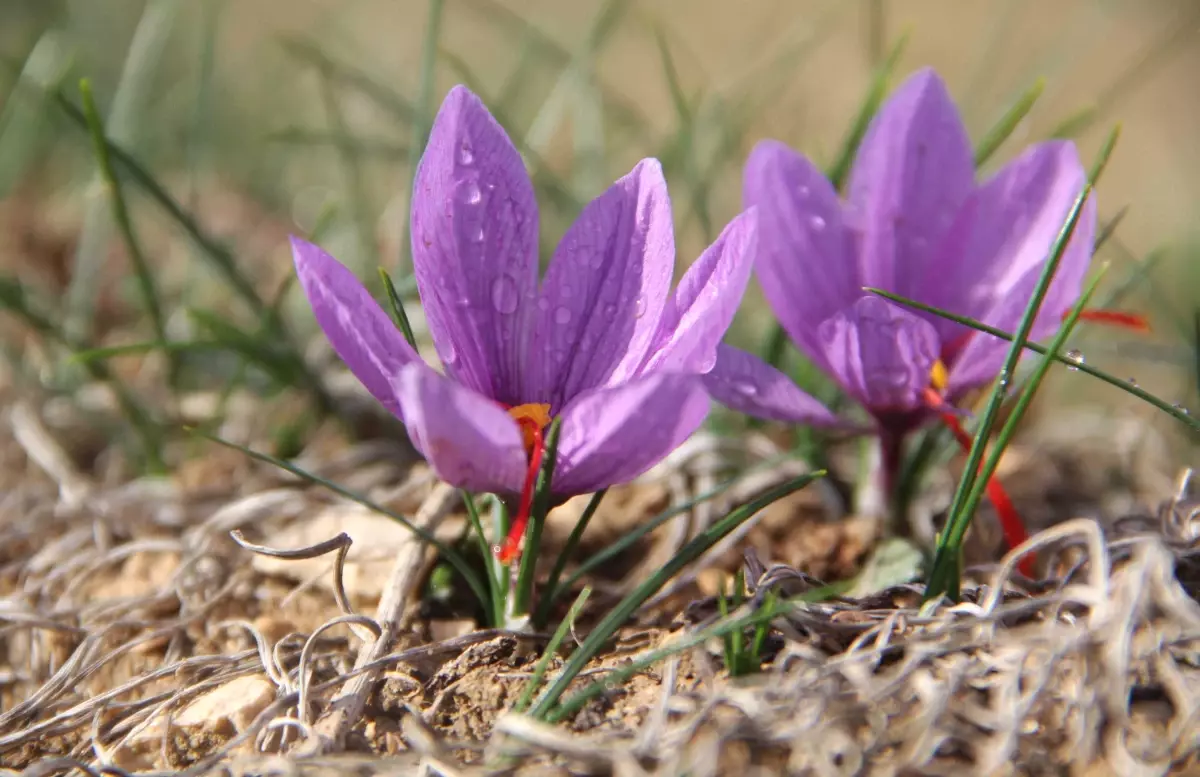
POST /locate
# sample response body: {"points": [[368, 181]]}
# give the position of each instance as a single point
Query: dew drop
{"points": [[610, 310], [1132, 382], [804, 192], [1076, 356], [565, 291], [562, 316], [1181, 408], [744, 387], [448, 354], [504, 295], [543, 303], [639, 307], [817, 223], [477, 235], [471, 193], [465, 156]]}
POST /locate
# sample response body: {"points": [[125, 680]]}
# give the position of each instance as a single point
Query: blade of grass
{"points": [[24, 132], [120, 214], [355, 144], [422, 114], [626, 541], [382, 95], [611, 680], [452, 556], [397, 306], [356, 191], [1083, 367], [14, 298], [866, 111], [684, 135], [496, 581], [523, 599], [947, 561], [942, 563], [627, 606], [125, 119], [1015, 114], [542, 616], [539, 670]]}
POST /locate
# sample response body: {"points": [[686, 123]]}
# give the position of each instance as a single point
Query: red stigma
{"points": [[532, 432]]}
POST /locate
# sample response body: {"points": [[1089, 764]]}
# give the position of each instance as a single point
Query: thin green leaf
{"points": [[357, 145], [356, 192], [1016, 113], [397, 306], [542, 616], [381, 94], [627, 606], [1083, 367], [120, 213], [452, 557], [870, 105], [627, 541], [423, 113], [613, 679], [543, 664], [542, 497], [946, 572], [496, 581]]}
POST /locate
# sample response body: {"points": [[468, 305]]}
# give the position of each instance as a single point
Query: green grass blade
{"points": [[120, 214], [1087, 369], [422, 115], [452, 556], [543, 664], [397, 306], [943, 562], [25, 135], [133, 349], [496, 582], [875, 94], [685, 136], [611, 680], [126, 118], [15, 300], [358, 145], [627, 606], [1016, 113], [542, 616], [542, 497], [627, 540], [943, 578], [384, 96], [356, 192]]}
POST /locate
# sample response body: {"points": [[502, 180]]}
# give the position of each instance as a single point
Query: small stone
{"points": [[236, 704]]}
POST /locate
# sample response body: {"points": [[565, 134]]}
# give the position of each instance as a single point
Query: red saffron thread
{"points": [[1010, 521], [1133, 321], [512, 543]]}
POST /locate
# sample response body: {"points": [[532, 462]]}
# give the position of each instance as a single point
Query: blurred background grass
{"points": [[264, 117]]}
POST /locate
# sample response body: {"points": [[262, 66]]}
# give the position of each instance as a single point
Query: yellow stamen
{"points": [[939, 376], [528, 417]]}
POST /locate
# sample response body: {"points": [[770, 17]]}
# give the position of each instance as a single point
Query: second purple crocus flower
{"points": [[601, 341], [914, 222]]}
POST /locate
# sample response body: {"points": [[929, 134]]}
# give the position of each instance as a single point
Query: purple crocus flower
{"points": [[601, 341], [914, 222]]}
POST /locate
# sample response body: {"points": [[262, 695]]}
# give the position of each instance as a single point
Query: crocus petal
{"points": [[743, 382], [604, 292], [612, 435], [913, 171], [880, 353], [474, 242], [704, 303], [467, 438], [804, 262], [359, 331], [1000, 243]]}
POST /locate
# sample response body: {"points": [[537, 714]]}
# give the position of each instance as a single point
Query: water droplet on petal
{"points": [[565, 291], [562, 316], [817, 223], [543, 303], [804, 192], [610, 310], [477, 235], [465, 157], [744, 387], [471, 193], [1076, 356], [448, 354], [504, 295], [639, 307]]}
